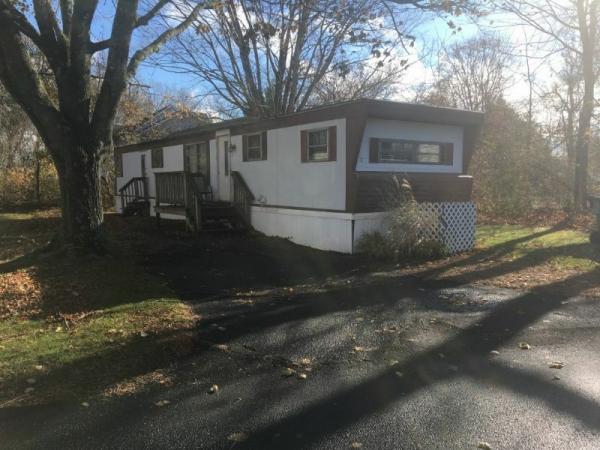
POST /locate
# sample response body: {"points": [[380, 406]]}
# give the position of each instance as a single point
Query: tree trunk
{"points": [[588, 32], [82, 215]]}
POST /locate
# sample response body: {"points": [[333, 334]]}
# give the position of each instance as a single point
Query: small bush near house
{"points": [[404, 237], [376, 246]]}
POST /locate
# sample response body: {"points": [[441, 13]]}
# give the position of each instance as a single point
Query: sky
{"points": [[429, 33]]}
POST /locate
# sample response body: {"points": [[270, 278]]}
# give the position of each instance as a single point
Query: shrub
{"points": [[375, 245], [404, 236]]}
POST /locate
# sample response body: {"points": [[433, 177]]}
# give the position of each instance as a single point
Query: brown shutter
{"points": [[244, 148], [304, 145], [263, 142], [374, 150], [332, 143], [447, 156]]}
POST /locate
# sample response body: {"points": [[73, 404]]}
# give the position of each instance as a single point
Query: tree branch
{"points": [[146, 18], [155, 45]]}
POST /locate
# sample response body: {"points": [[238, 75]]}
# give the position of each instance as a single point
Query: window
{"points": [[255, 147], [157, 158], [396, 151], [196, 159], [119, 164], [318, 145]]}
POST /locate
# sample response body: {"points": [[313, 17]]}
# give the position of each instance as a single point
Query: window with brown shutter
{"points": [[318, 145], [254, 147], [400, 151]]}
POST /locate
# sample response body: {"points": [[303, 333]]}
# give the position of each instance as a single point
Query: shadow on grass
{"points": [[341, 409]]}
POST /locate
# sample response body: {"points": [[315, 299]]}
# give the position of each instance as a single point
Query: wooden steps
{"points": [[215, 216]]}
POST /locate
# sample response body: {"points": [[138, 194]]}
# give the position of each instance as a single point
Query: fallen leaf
{"points": [[58, 329], [356, 445], [358, 348], [238, 436], [213, 389], [524, 346], [221, 347], [484, 446], [287, 372], [556, 365]]}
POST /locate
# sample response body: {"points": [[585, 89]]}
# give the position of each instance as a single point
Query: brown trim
{"points": [[381, 109], [167, 142], [426, 187], [332, 143], [374, 150], [355, 128], [304, 145], [245, 147], [263, 143], [372, 108]]}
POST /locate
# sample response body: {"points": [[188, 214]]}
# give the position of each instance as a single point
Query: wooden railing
{"points": [[194, 190], [135, 189], [170, 188], [183, 189], [242, 197]]}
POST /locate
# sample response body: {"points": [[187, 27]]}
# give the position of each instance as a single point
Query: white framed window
{"points": [[318, 145], [255, 147]]}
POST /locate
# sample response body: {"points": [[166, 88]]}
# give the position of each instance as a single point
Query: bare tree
{"points": [[362, 82], [572, 25], [76, 127], [472, 74], [269, 58]]}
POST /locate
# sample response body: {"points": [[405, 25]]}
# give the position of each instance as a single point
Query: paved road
{"points": [[390, 364]]}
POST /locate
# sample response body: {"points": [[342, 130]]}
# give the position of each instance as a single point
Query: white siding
{"points": [[132, 167], [284, 180], [393, 129], [317, 229]]}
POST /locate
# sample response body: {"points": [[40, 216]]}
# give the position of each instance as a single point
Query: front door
{"points": [[224, 168]]}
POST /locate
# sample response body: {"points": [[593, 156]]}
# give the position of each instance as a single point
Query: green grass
{"points": [[80, 328], [564, 249]]}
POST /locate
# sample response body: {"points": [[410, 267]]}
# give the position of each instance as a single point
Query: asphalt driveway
{"points": [[355, 360]]}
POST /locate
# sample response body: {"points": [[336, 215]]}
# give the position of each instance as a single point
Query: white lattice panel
{"points": [[454, 225]]}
